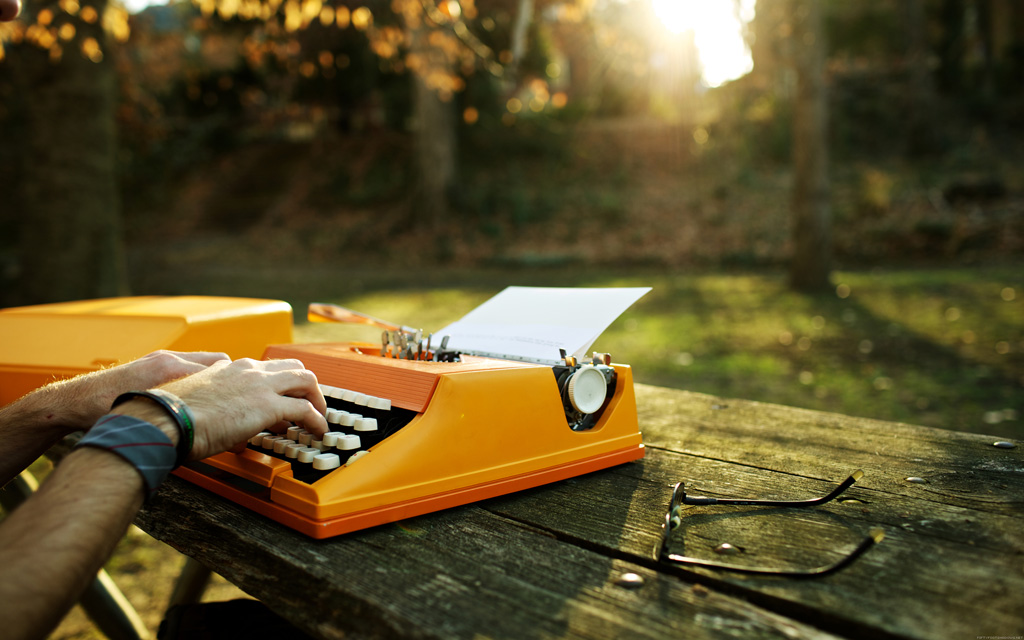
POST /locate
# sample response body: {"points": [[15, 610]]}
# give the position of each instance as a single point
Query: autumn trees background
{"points": [[467, 132]]}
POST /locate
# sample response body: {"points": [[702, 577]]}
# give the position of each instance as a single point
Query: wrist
{"points": [[148, 410], [139, 442], [77, 402], [178, 412]]}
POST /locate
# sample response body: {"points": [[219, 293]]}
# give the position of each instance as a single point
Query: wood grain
{"points": [[549, 562]]}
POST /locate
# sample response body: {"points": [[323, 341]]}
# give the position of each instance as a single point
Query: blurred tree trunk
{"points": [[435, 146], [70, 239], [575, 40], [921, 136], [810, 266], [520, 29], [952, 46]]}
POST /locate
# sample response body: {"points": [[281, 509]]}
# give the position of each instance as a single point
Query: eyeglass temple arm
{"points": [[846, 484], [874, 537]]}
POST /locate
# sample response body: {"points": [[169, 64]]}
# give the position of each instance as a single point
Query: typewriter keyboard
{"points": [[355, 421]]}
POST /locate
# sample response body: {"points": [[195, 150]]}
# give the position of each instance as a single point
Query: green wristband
{"points": [[178, 411]]}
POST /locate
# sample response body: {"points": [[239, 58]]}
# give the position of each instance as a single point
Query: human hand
{"points": [[232, 401], [9, 10], [82, 400]]}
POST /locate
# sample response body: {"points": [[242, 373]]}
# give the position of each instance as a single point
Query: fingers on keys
{"points": [[302, 412]]}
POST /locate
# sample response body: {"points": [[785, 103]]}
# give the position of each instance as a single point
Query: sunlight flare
{"points": [[717, 29]]}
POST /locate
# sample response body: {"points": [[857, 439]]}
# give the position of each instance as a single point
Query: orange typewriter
{"points": [[414, 427]]}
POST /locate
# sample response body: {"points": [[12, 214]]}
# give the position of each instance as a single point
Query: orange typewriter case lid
{"points": [[41, 343]]}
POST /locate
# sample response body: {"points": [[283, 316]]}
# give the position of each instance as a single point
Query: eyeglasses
{"points": [[674, 518]]}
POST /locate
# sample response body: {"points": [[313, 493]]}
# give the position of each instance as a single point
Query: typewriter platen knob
{"points": [[587, 389]]}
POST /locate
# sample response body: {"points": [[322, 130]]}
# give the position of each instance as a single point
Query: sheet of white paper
{"points": [[533, 323]]}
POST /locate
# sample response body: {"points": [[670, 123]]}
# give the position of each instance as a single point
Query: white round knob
{"points": [[355, 456], [587, 389]]}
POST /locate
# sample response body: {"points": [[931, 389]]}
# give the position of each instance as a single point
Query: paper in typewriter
{"points": [[533, 323]]}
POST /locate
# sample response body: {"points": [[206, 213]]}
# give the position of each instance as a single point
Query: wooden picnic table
{"points": [[575, 558]]}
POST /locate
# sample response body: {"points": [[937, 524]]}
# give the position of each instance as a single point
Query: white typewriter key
{"points": [[317, 444], [338, 394], [325, 389], [305, 438], [257, 439], [587, 389], [326, 461], [356, 456], [348, 419], [349, 396], [331, 438], [292, 450], [366, 424], [306, 454], [361, 399], [280, 445], [293, 433], [268, 441], [381, 404], [349, 443], [333, 416]]}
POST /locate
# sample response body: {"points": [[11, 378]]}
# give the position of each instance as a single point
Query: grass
{"points": [[937, 347]]}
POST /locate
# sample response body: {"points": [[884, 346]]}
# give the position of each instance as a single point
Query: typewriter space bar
{"points": [[251, 465]]}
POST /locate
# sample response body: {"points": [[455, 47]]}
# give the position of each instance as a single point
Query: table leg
{"points": [[191, 584]]}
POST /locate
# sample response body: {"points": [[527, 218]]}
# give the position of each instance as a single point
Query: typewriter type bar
{"points": [[410, 437]]}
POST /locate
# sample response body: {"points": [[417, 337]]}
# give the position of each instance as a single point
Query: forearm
{"points": [[52, 545], [30, 426], [54, 542]]}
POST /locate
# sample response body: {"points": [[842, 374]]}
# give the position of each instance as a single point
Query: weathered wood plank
{"points": [[948, 561], [462, 573], [944, 554], [959, 468], [544, 562]]}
